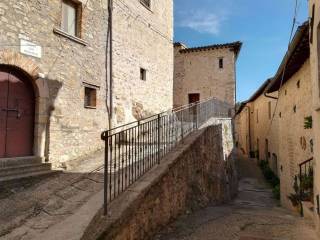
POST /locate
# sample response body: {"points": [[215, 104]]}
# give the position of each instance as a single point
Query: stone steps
{"points": [[23, 167]]}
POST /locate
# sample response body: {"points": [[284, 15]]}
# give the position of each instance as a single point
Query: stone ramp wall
{"points": [[191, 177]]}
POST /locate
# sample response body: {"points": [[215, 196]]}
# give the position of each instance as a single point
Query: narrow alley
{"points": [[253, 215]]}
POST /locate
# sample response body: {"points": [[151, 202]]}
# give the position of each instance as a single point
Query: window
{"points": [[146, 3], [143, 74], [221, 63], [71, 15], [257, 115], [298, 84], [269, 109], [193, 97], [90, 97]]}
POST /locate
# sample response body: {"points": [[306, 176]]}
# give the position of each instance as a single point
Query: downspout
{"points": [[268, 96], [249, 127], [110, 22]]}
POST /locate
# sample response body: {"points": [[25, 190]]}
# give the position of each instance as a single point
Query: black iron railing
{"points": [[306, 181], [133, 149]]}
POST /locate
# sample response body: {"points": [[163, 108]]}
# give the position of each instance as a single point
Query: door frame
{"points": [[29, 70]]}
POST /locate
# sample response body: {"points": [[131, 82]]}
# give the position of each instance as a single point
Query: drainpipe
{"points": [[110, 21], [268, 96], [249, 125]]}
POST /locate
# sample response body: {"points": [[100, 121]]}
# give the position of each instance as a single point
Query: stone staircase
{"points": [[23, 167]]}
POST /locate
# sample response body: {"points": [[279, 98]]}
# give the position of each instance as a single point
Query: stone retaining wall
{"points": [[189, 178]]}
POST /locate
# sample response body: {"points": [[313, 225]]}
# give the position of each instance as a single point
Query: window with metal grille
{"points": [[90, 97], [146, 3], [71, 15]]}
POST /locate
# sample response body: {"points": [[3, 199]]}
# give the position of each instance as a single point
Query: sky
{"points": [[263, 26]]}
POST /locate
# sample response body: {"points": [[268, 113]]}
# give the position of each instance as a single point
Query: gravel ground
{"points": [[253, 215]]}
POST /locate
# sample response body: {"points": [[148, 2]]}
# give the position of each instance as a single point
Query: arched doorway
{"points": [[17, 110]]}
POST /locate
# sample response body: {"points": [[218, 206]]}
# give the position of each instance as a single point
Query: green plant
{"points": [[271, 178], [308, 122], [295, 197], [276, 192]]}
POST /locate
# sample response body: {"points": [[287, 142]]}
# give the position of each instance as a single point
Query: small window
{"points": [[90, 97], [146, 3], [71, 15], [221, 63], [257, 115], [298, 84], [143, 74]]}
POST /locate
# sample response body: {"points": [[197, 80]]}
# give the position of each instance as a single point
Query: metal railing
{"points": [[306, 181], [133, 149]]}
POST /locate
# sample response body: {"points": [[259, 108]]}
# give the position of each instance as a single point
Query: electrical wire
{"points": [[294, 21]]}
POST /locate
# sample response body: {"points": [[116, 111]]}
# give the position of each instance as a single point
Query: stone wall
{"points": [[65, 129], [199, 72], [191, 177], [143, 39], [265, 129], [71, 130], [315, 83], [294, 140]]}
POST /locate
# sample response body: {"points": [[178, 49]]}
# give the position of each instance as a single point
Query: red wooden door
{"points": [[16, 116]]}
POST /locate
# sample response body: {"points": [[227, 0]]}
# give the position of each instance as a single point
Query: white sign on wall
{"points": [[31, 49]]}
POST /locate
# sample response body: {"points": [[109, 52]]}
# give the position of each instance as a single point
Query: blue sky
{"points": [[262, 25]]}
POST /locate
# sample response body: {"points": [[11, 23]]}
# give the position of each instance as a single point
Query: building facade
{"points": [[256, 127], [314, 13], [143, 59], [53, 72], [204, 72], [295, 139], [280, 128]]}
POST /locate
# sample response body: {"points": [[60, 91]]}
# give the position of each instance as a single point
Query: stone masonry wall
{"points": [[198, 72], [143, 39], [72, 130], [192, 176], [294, 140], [315, 83]]}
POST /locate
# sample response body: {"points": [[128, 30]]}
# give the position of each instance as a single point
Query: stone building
{"points": [[254, 134], [314, 13], [53, 74], [143, 58], [293, 82], [278, 127], [204, 72]]}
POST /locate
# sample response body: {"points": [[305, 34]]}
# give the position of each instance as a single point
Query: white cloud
{"points": [[202, 21]]}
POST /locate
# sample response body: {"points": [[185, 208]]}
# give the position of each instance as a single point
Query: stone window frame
{"points": [[92, 89], [79, 11]]}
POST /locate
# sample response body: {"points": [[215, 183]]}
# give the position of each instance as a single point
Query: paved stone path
{"points": [[32, 206], [253, 215]]}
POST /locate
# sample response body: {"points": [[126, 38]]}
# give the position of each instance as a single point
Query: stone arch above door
{"points": [[31, 70]]}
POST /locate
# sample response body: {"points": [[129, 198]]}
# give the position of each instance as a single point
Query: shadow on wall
{"points": [[54, 88]]}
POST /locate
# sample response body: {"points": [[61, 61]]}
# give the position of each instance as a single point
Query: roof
{"points": [[258, 93], [234, 46], [241, 107], [261, 90], [298, 52]]}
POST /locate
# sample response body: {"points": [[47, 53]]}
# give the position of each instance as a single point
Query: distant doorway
{"points": [[194, 97]]}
